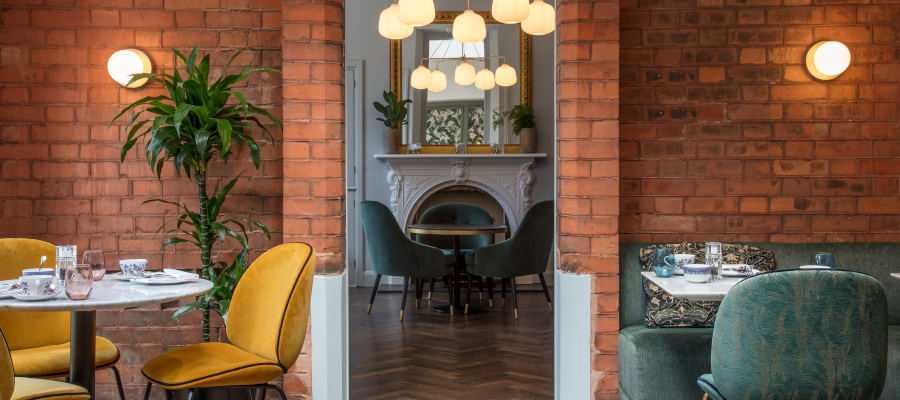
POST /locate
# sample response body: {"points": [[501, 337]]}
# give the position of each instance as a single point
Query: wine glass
{"points": [[95, 259], [79, 281]]}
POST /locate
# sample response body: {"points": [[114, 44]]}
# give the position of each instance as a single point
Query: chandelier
{"points": [[464, 74], [400, 19]]}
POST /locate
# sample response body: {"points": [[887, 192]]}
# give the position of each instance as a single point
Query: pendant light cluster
{"points": [[400, 19], [463, 75]]}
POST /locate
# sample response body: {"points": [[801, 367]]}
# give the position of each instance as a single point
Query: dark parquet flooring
{"points": [[430, 355]]}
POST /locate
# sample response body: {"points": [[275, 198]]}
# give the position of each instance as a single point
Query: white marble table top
{"points": [[679, 287], [112, 294], [896, 275]]}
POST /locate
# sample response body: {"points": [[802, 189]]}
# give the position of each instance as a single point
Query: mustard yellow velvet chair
{"points": [[12, 388], [266, 326], [39, 341]]}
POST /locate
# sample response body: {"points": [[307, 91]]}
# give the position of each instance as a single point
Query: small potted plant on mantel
{"points": [[522, 117], [394, 116]]}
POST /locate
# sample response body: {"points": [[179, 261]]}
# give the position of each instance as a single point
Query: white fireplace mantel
{"points": [[506, 177]]}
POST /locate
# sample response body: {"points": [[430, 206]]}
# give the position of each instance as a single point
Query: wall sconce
{"points": [[827, 60], [124, 63]]}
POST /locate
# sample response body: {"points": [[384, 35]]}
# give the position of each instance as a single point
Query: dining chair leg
{"points": [[431, 288], [118, 383], [468, 294], [503, 291], [260, 393], [170, 395], [418, 292], [450, 295], [403, 300], [192, 394], [280, 391], [546, 292], [374, 291], [490, 285], [480, 288], [147, 391], [512, 282]]}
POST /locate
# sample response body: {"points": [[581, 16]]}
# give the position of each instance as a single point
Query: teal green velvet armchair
{"points": [[525, 253], [456, 213], [800, 334], [394, 254]]}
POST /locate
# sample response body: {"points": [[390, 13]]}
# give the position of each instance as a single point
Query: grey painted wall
{"points": [[364, 43]]}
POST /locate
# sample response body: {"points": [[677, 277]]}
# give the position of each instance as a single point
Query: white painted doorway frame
{"points": [[354, 71]]}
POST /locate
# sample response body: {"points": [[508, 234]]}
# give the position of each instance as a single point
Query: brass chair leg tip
{"points": [[401, 315], [466, 310], [550, 305], [418, 302], [451, 310], [369, 310], [516, 313], [480, 296], [429, 295], [491, 303]]}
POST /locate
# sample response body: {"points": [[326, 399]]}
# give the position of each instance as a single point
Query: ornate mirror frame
{"points": [[446, 17]]}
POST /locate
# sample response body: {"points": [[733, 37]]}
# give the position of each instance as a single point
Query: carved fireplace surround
{"points": [[508, 178]]}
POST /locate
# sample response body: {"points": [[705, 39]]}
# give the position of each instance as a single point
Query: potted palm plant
{"points": [[522, 117], [194, 123], [393, 113]]}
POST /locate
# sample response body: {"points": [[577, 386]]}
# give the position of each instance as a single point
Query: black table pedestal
{"points": [[82, 352]]}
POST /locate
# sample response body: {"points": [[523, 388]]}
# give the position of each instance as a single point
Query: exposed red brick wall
{"points": [[588, 168], [726, 136], [314, 142], [60, 175]]}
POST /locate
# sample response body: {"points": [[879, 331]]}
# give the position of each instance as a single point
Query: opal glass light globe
{"points": [[415, 12], [505, 75], [485, 79], [124, 63], [391, 27], [541, 19], [827, 60], [420, 77], [464, 74], [469, 27], [438, 81], [509, 11]]}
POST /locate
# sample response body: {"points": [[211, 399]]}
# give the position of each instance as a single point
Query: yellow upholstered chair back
{"points": [[30, 329], [7, 375], [269, 311]]}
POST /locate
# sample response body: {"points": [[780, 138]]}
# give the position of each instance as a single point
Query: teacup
{"points": [[37, 284], [681, 259], [133, 267], [37, 271], [696, 273]]}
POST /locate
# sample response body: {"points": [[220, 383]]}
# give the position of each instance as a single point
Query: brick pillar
{"points": [[588, 170], [313, 68]]}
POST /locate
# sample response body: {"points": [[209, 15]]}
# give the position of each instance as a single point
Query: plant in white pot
{"points": [[522, 117], [393, 113]]}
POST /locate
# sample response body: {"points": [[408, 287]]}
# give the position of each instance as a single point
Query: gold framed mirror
{"points": [[509, 43]]}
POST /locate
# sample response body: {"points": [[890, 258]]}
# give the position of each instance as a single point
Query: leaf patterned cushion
{"points": [[666, 311]]}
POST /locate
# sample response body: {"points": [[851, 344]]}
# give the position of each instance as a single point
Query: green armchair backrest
{"points": [[391, 251], [456, 213], [801, 334], [525, 253]]}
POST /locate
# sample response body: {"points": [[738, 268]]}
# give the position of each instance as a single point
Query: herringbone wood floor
{"points": [[433, 356]]}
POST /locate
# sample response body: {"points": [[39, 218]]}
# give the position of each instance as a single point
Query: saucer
{"points": [[163, 280], [18, 295]]}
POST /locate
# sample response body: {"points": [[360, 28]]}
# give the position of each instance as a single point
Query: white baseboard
{"points": [[330, 337], [572, 336]]}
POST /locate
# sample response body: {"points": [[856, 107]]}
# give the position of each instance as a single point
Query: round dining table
{"points": [[107, 294], [455, 230]]}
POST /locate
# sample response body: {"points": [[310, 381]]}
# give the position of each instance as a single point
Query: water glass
{"points": [[823, 258], [714, 259], [66, 256], [664, 262], [95, 259], [79, 281]]}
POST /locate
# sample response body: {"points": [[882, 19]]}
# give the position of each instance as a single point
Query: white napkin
{"points": [[179, 274]]}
